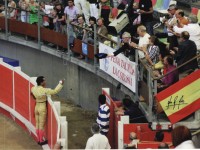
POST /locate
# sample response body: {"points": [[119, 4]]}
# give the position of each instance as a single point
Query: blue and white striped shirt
{"points": [[103, 118]]}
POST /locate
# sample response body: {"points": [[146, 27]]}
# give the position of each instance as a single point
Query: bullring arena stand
{"points": [[54, 53]]}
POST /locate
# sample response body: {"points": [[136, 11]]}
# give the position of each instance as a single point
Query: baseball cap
{"points": [[171, 7]]}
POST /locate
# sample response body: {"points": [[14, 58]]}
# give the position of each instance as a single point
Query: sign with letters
{"points": [[119, 67]]}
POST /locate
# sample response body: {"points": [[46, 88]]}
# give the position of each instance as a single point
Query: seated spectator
{"points": [[163, 146], [159, 65], [192, 28], [186, 50], [182, 138], [132, 110], [101, 29], [169, 79], [159, 136], [133, 141]]}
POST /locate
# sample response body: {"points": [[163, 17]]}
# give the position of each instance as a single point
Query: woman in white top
{"points": [[182, 138]]}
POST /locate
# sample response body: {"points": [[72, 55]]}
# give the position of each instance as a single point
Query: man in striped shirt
{"points": [[103, 115]]}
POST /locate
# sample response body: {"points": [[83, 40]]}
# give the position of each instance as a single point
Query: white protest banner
{"points": [[119, 67]]}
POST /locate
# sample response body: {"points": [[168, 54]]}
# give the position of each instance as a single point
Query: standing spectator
{"points": [[103, 115], [187, 49], [33, 7], [105, 11], [83, 7], [127, 50], [60, 21], [23, 5], [11, 11], [192, 28], [182, 138], [97, 141], [143, 40], [172, 21], [101, 29], [122, 4], [40, 93], [53, 20], [180, 16], [79, 32], [54, 2], [169, 21], [71, 11], [146, 10], [94, 8], [135, 18]]}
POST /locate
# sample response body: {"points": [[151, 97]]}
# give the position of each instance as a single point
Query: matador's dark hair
{"points": [[39, 80]]}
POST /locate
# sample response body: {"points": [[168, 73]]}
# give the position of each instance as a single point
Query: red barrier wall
{"points": [[16, 97], [32, 107], [21, 89], [6, 86]]}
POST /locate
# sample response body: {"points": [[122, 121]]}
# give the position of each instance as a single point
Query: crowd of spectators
{"points": [[182, 32]]}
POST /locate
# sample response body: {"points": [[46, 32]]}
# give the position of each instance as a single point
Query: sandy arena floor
{"points": [[13, 137]]}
